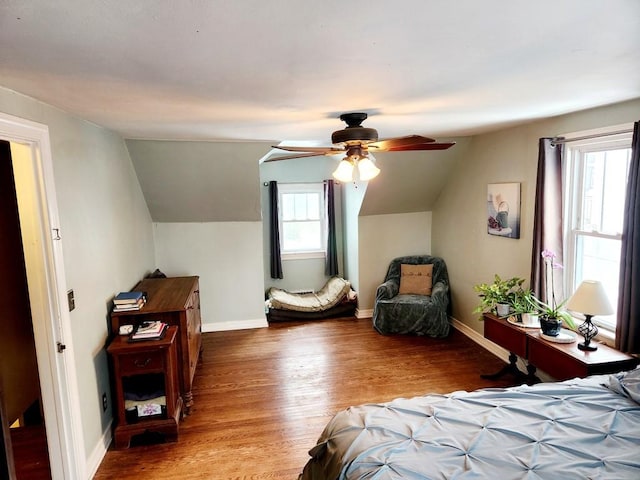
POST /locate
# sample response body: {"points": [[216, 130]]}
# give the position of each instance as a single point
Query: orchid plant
{"points": [[553, 309]]}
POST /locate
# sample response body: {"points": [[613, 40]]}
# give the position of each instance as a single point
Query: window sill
{"points": [[607, 337], [303, 255]]}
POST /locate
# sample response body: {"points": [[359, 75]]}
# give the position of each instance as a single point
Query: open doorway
{"points": [[44, 296], [22, 401]]}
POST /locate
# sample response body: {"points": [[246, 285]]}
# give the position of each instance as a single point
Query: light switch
{"points": [[71, 300]]}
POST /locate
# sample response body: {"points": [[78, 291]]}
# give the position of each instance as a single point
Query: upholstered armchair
{"points": [[403, 305]]}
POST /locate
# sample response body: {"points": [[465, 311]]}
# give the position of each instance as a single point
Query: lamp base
{"points": [[587, 348], [588, 331]]}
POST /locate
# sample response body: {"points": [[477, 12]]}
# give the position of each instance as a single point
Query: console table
{"points": [[560, 360]]}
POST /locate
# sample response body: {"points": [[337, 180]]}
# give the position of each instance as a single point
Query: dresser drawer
{"points": [[141, 362]]}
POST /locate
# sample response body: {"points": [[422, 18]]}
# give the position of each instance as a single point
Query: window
{"points": [[302, 220], [597, 171]]}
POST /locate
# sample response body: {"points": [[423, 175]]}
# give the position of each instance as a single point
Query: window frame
{"points": [[574, 172], [293, 188]]}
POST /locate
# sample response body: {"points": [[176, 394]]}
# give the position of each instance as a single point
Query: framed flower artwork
{"points": [[503, 209]]}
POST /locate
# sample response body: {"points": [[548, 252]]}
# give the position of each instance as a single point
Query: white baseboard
{"points": [[368, 313], [234, 325], [98, 453], [499, 352]]}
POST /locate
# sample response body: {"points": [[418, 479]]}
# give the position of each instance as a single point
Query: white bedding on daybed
{"points": [[328, 296]]}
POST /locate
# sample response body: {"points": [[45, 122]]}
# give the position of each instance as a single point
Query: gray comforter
{"points": [[577, 429]]}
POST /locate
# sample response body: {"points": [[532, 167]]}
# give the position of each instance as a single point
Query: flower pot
{"points": [[502, 309], [550, 325], [530, 319]]}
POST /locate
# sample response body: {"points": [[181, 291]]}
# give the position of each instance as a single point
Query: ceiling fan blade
{"points": [[423, 146], [296, 155], [319, 150], [389, 143]]}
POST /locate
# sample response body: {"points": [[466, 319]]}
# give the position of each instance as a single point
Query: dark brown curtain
{"points": [[628, 330], [547, 221], [331, 266], [274, 231]]}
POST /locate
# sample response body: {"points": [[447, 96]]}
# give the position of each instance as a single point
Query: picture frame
{"points": [[503, 209]]}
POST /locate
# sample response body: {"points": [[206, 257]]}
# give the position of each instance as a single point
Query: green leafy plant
{"points": [[499, 292], [523, 301]]}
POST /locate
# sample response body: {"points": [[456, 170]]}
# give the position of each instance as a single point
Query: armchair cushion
{"points": [[396, 312], [415, 279]]}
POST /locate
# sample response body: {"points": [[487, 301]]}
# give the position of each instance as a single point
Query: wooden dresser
{"points": [[175, 301]]}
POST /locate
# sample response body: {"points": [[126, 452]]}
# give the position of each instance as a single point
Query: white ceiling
{"points": [[284, 70]]}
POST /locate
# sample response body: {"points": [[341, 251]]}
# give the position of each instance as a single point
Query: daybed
{"points": [[577, 429], [334, 299]]}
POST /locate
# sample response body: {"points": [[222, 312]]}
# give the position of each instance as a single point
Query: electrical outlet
{"points": [[104, 402], [71, 300]]}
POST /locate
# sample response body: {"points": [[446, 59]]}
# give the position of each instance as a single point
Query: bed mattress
{"points": [[582, 428]]}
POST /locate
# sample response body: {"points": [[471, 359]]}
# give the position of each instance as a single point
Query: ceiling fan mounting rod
{"points": [[354, 119]]}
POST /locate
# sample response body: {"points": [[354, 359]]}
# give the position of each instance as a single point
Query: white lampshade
{"points": [[590, 299], [367, 169], [344, 172]]}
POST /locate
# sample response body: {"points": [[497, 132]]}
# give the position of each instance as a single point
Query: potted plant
{"points": [[497, 297], [524, 306]]}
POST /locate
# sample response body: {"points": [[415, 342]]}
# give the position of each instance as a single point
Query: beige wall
{"points": [[383, 238], [459, 219]]}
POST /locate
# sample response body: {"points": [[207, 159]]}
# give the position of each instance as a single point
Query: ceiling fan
{"points": [[356, 142]]}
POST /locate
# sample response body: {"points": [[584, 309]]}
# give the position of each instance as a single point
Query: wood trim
{"points": [[364, 313]]}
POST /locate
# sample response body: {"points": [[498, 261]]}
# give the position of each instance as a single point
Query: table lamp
{"points": [[589, 299]]}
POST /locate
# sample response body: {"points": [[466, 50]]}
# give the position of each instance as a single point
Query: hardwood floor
{"points": [[30, 453], [263, 396]]}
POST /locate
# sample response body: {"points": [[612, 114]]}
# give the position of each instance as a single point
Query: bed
{"points": [[577, 429]]}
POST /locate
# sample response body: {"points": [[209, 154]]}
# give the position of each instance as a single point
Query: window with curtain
{"points": [[596, 179], [303, 228]]}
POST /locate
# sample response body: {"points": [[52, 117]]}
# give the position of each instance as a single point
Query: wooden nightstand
{"points": [[150, 368], [560, 360]]}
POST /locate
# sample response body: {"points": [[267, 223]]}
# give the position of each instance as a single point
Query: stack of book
{"points": [[129, 301], [149, 331]]}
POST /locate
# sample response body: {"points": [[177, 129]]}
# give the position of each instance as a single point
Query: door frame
{"points": [[50, 317]]}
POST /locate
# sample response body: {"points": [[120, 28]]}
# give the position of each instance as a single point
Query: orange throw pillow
{"points": [[416, 279]]}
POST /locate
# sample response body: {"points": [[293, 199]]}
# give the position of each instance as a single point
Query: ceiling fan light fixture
{"points": [[344, 172], [367, 169]]}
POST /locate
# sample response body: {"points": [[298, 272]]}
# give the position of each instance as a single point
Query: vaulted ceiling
{"points": [[258, 70], [246, 74]]}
